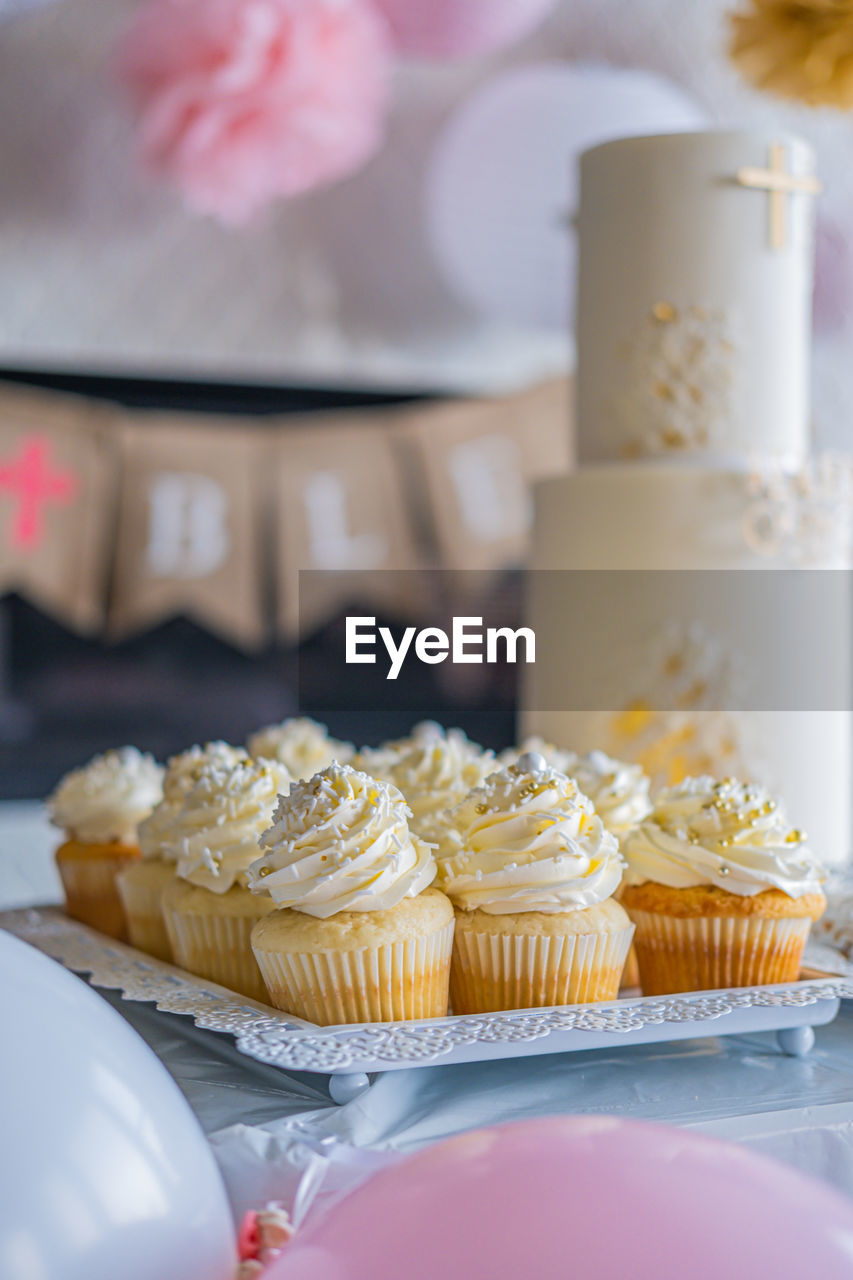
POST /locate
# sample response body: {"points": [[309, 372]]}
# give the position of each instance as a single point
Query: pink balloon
{"points": [[588, 1197], [460, 28]]}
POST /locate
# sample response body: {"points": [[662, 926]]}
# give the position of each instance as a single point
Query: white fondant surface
{"points": [[666, 230], [670, 517]]}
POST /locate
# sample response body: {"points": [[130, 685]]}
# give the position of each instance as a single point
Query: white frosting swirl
{"points": [[727, 834], [182, 771], [619, 791], [303, 745], [435, 772], [529, 841], [107, 798], [341, 842], [379, 761], [214, 834]]}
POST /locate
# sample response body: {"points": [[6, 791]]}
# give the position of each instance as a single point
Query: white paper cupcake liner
{"points": [[91, 894], [494, 971], [217, 947], [703, 953], [374, 984], [146, 928]]}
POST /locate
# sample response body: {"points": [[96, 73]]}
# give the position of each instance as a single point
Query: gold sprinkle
{"points": [[724, 870], [665, 312], [264, 871], [725, 843], [795, 836], [768, 806], [481, 808]]}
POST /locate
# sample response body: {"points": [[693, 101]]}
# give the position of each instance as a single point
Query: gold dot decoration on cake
{"points": [[679, 391], [672, 726], [799, 49], [664, 312], [802, 518]]}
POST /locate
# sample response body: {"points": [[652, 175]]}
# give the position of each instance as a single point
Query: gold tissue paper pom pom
{"points": [[801, 49]]}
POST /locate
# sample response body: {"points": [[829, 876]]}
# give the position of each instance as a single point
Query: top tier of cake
{"points": [[694, 303]]}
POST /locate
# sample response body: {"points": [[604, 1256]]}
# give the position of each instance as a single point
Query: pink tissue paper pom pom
{"points": [[244, 101], [460, 28]]}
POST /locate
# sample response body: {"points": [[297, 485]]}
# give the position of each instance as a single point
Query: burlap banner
{"points": [[189, 535], [340, 506], [211, 511], [472, 464], [56, 481]]}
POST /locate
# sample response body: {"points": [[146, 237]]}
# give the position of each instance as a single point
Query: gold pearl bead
{"points": [[665, 312]]}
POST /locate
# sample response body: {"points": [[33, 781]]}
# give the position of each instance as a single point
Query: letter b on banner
{"points": [[189, 533], [187, 525]]}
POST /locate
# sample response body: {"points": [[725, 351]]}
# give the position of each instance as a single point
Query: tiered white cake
{"points": [[694, 309]]}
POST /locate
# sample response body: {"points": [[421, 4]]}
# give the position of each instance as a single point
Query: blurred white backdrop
{"points": [[103, 269]]}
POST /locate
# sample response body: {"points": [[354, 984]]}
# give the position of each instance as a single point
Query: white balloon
{"points": [[106, 1174], [502, 184]]}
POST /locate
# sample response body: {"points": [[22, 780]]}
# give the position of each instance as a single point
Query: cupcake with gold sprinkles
{"points": [[142, 883], [213, 839], [434, 769], [721, 888], [532, 877], [353, 931]]}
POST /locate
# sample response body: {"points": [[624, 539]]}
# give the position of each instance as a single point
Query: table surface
{"points": [[278, 1135]]}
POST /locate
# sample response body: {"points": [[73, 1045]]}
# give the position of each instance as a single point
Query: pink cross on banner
{"points": [[57, 473], [30, 480]]}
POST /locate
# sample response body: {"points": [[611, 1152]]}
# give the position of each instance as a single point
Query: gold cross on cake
{"points": [[779, 184]]}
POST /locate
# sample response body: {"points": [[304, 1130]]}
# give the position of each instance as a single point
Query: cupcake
{"points": [[532, 878], [141, 884], [378, 761], [99, 808], [302, 745], [721, 889], [619, 792], [620, 796], [359, 936], [208, 909], [434, 770]]}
